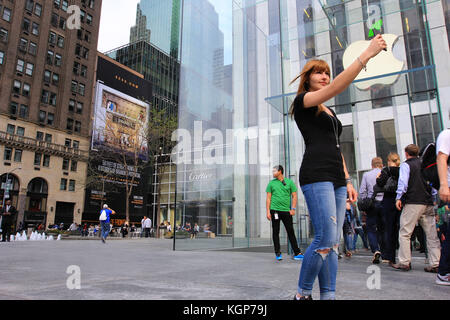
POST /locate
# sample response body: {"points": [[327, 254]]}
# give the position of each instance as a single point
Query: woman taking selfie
{"points": [[324, 178]]}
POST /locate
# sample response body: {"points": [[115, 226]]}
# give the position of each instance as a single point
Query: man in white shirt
{"points": [[443, 152], [147, 226]]}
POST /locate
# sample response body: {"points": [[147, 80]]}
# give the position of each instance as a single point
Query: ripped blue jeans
{"points": [[326, 206]]}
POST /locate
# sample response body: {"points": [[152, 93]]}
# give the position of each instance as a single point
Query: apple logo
{"points": [[384, 63]]}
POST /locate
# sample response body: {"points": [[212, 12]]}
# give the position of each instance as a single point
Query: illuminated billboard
{"points": [[120, 122]]}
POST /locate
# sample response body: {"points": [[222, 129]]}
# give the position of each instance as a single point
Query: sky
{"points": [[118, 16]]}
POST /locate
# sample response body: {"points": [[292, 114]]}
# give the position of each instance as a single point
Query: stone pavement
{"points": [[149, 269]]}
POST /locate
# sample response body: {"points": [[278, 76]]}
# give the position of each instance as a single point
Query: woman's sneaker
{"points": [[303, 298], [299, 256], [279, 257], [443, 280]]}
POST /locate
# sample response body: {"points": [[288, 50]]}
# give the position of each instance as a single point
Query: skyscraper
{"points": [[162, 18], [46, 80]]}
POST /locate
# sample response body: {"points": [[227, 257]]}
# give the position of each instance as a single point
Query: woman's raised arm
{"points": [[346, 77]]}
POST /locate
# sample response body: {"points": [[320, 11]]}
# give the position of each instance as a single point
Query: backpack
{"points": [[103, 215], [391, 183], [429, 165]]}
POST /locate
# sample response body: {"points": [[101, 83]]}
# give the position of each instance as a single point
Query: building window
{"points": [[81, 89], [52, 99], [23, 111], [54, 20], [65, 165], [48, 138], [26, 25], [50, 55], [32, 49], [71, 105], [8, 154], [385, 138], [37, 159], [47, 76], [23, 45], [72, 185], [425, 126], [65, 5], [55, 79], [76, 144], [20, 131], [50, 119], [11, 129], [68, 143], [63, 185], [73, 166], [3, 35], [46, 161], [38, 10], [42, 116], [17, 86], [76, 68], [79, 108], [35, 29], [45, 96], [13, 108], [58, 60], [2, 57], [62, 23], [60, 42], [83, 72], [74, 86], [77, 126], [40, 135], [18, 155], [7, 14], [52, 38], [29, 4], [20, 65], [29, 70], [69, 124]]}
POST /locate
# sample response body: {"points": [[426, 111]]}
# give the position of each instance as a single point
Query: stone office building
{"points": [[47, 72]]}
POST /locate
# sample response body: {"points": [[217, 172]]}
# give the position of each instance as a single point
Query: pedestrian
{"points": [[195, 231], [105, 219], [375, 226], [348, 229], [280, 208], [388, 180], [8, 213], [147, 226], [324, 178], [443, 152], [124, 230], [414, 197], [359, 231]]}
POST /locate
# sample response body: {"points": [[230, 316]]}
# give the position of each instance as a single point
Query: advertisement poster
{"points": [[120, 122]]}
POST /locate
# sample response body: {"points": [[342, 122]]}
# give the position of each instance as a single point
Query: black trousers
{"points": [[288, 224], [6, 231], [147, 232], [391, 218]]}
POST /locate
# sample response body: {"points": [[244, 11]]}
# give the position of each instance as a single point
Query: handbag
{"points": [[367, 204], [391, 184]]}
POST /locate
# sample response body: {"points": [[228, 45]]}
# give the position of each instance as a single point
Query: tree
{"points": [[160, 128]]}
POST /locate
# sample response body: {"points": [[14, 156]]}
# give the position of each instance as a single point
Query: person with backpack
{"points": [[443, 170], [414, 197], [388, 180], [105, 218]]}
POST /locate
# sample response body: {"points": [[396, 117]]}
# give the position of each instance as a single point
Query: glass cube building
{"points": [[238, 58]]}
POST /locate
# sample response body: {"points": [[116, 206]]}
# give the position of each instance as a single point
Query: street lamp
{"points": [[7, 186]]}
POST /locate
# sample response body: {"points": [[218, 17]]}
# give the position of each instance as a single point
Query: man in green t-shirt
{"points": [[279, 208]]}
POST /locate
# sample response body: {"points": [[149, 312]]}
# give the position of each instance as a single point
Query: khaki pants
{"points": [[413, 213]]}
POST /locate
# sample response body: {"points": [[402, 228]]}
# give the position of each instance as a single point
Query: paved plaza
{"points": [[149, 269]]}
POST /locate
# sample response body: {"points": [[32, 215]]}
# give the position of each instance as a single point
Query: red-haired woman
{"points": [[324, 178]]}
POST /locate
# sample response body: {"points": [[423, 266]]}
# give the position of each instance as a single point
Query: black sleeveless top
{"points": [[322, 161]]}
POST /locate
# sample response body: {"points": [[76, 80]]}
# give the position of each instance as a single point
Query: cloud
{"points": [[118, 16]]}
